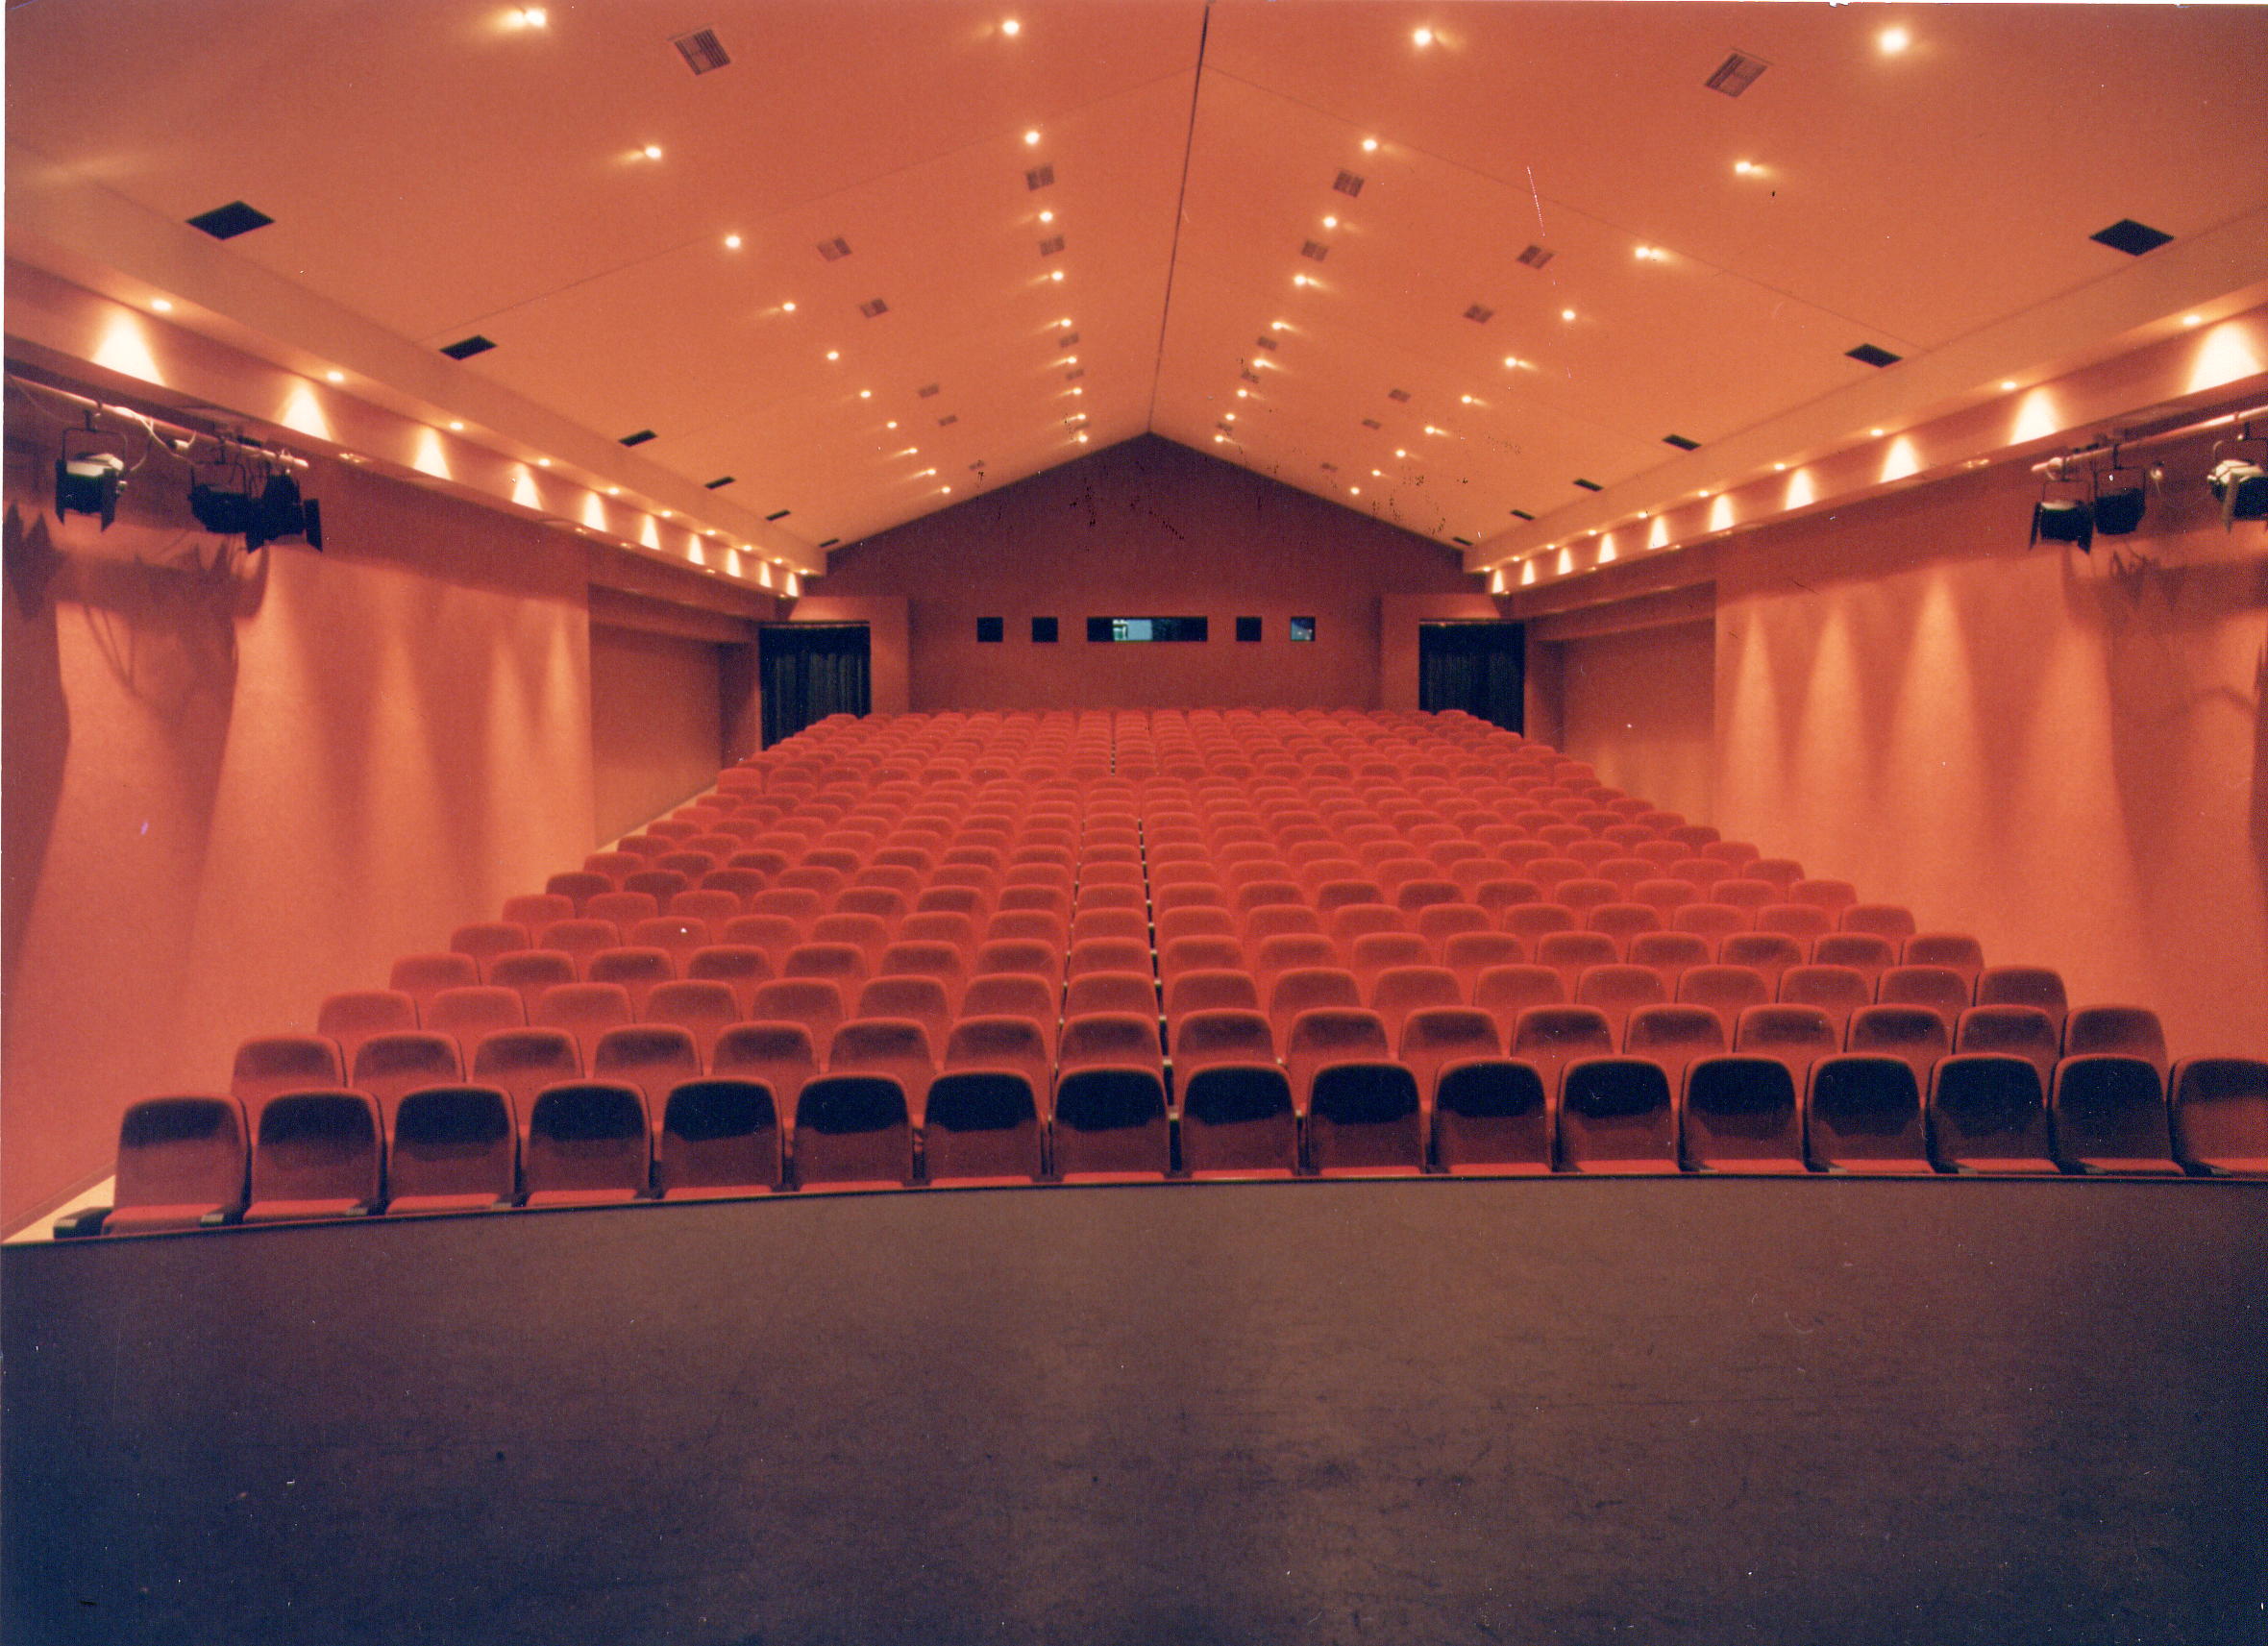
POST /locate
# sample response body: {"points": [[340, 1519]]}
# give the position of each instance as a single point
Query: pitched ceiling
{"points": [[446, 167]]}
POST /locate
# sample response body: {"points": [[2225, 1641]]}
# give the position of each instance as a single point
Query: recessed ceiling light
{"points": [[162, 304], [948, 490], [1894, 40], [1369, 144], [868, 394], [892, 424], [1514, 361], [733, 242], [529, 17], [1066, 321], [1744, 169], [1031, 137], [336, 377], [1244, 394], [1465, 399], [668, 514], [1399, 453], [1378, 473], [1423, 36], [1777, 469], [1055, 274], [1566, 314], [787, 308], [1220, 439], [1355, 491], [1010, 26], [834, 354], [1874, 433], [456, 424], [1078, 391], [651, 150], [1225, 417], [2193, 319], [543, 462], [1080, 438], [1330, 222], [2008, 385], [1046, 216], [614, 491], [1301, 279]]}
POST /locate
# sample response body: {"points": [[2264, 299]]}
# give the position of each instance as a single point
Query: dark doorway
{"points": [[812, 669], [1478, 666]]}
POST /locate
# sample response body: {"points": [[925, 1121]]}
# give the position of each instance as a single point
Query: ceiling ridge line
{"points": [[1189, 145], [791, 207]]}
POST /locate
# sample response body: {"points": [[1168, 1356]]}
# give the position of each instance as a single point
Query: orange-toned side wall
{"points": [[656, 733], [1639, 706], [2062, 753], [1144, 529], [237, 783]]}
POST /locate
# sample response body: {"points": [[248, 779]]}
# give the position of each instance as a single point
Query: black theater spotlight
{"points": [[87, 482], [2119, 508], [281, 512], [2063, 519], [224, 504], [2239, 484]]}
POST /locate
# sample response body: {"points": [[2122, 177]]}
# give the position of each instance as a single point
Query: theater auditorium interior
{"points": [[911, 820]]}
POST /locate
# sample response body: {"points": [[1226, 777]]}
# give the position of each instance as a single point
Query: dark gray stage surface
{"points": [[1428, 1412]]}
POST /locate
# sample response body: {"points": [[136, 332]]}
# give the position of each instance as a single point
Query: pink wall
{"points": [[2064, 754], [1640, 706], [656, 725], [1144, 529], [238, 783]]}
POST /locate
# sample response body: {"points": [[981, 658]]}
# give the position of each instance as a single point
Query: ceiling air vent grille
{"points": [[925, 391], [638, 439], [778, 514], [1314, 249], [1068, 340], [1330, 468], [1867, 354], [1039, 177], [2129, 236], [227, 222], [465, 348], [1737, 74], [1681, 442], [948, 420], [874, 308], [1348, 183], [1521, 514], [1480, 313], [1466, 541], [830, 543], [834, 251], [1591, 485], [1536, 257], [1074, 374], [701, 50], [1398, 394], [719, 483], [1268, 343], [1249, 374], [1373, 423], [1053, 244]]}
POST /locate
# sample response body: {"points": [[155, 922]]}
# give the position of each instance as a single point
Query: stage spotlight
{"points": [[88, 482], [2239, 484], [2119, 508], [281, 512], [2063, 519]]}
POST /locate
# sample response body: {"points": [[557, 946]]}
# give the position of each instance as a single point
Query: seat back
{"points": [[1988, 1112], [2220, 1114], [1304, 989], [1835, 990], [920, 999], [529, 971], [1573, 953], [1741, 1114], [1491, 1115], [390, 1066], [897, 1049], [522, 1062], [269, 1066], [1363, 1118], [316, 1154], [737, 968], [1728, 991], [1321, 1036], [1957, 950], [2116, 1031], [652, 1057], [780, 1055], [1616, 1114], [1796, 1037], [1668, 954], [1216, 1035], [2108, 1112], [1505, 992], [1939, 988], [422, 976], [637, 972], [1673, 1036], [2037, 986], [1771, 954], [1618, 989], [2011, 1031], [179, 1160], [1237, 1119], [347, 1019], [1864, 1114], [1863, 952], [816, 1003], [1435, 1037], [1014, 994], [588, 1142], [452, 1147], [584, 1010]]}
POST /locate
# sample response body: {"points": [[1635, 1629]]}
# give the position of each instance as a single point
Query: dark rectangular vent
{"points": [[1053, 244], [1314, 249], [948, 420], [1521, 514], [1249, 375], [639, 438], [1248, 629], [874, 306], [1400, 394], [1074, 374], [991, 630], [1536, 257], [2124, 235], [1330, 468], [719, 483], [1466, 541], [925, 391], [1039, 177], [830, 543], [1268, 343], [701, 50], [1591, 485], [465, 348], [1737, 74], [1044, 631], [778, 514], [834, 251], [1348, 183], [1867, 354], [1481, 314], [227, 222], [1681, 442], [1373, 423], [1068, 340]]}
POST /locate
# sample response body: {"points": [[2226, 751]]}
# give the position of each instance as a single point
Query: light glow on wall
{"points": [[648, 534], [1527, 572], [1605, 549], [2230, 350], [432, 458], [1720, 512], [2036, 417], [1901, 460], [1659, 536], [593, 511], [303, 412], [1802, 492], [125, 348], [524, 488], [764, 573]]}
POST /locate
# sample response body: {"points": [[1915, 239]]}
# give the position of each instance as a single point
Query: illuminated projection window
{"points": [[1146, 628], [991, 630], [1303, 629]]}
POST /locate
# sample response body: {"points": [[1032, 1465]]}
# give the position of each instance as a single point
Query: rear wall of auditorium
{"points": [[1146, 528]]}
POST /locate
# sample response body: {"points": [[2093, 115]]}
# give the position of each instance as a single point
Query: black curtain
{"points": [[812, 669], [1477, 667]]}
